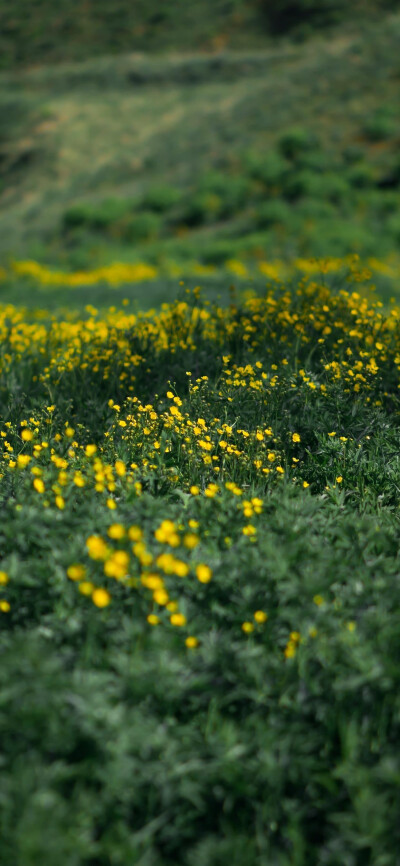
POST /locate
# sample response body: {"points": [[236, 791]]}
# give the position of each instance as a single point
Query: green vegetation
{"points": [[199, 563], [199, 567], [45, 33], [278, 153]]}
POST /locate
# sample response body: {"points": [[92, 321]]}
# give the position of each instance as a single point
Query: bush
{"points": [[141, 227], [231, 190], [108, 212], [332, 187], [97, 216], [382, 124], [77, 215], [286, 15], [161, 198], [272, 213], [295, 142], [361, 175], [270, 168], [201, 208]]}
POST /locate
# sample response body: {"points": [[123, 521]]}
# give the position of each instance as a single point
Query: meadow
{"points": [[199, 436], [199, 535]]}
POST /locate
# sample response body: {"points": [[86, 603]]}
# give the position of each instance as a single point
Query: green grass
{"points": [[271, 745], [287, 150], [236, 700], [43, 33]]}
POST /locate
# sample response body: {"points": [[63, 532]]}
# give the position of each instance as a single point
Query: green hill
{"points": [[287, 150], [43, 32]]}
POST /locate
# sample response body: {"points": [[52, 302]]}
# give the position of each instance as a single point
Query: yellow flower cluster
{"points": [[119, 273]]}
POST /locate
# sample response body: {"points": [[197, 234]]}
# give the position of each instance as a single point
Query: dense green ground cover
{"points": [[200, 584], [199, 567]]}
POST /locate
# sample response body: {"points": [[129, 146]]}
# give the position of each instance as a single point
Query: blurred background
{"points": [[147, 143]]}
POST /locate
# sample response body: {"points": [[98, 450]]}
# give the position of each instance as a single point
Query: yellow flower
{"points": [[60, 502], [166, 533], [4, 578], [295, 437], [305, 484], [172, 606], [191, 642], [101, 598], [177, 619], [211, 490], [195, 490], [69, 431], [180, 568], [190, 540], [135, 533], [4, 606], [249, 530], [161, 597], [117, 565], [97, 548], [339, 479], [116, 530], [90, 450], [260, 616], [203, 573], [247, 627], [152, 619], [76, 572], [290, 650], [26, 435], [38, 485], [120, 467], [111, 504], [23, 460], [86, 587], [318, 600], [152, 581]]}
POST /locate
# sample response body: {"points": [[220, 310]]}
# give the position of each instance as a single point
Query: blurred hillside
{"points": [[42, 31], [290, 149]]}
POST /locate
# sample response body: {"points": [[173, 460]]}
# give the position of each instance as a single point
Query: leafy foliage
{"points": [[200, 651]]}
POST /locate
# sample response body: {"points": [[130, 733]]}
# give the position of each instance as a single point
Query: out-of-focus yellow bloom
{"points": [[101, 598], [203, 573], [177, 619]]}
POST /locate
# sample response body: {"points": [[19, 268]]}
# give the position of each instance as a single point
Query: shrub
{"points": [[286, 15], [271, 213], [270, 168], [201, 208], [382, 124], [96, 216], [77, 215], [143, 226], [161, 198], [295, 142]]}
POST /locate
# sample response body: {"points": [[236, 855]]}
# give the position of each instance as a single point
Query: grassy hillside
{"points": [[42, 32], [199, 535], [283, 152]]}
